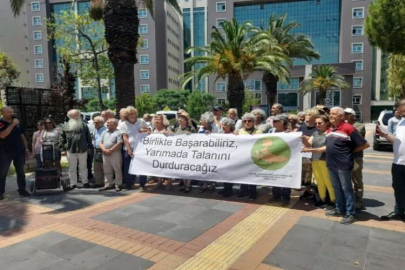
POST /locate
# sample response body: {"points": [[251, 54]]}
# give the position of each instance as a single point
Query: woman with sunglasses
{"points": [[316, 144], [248, 121], [52, 134], [36, 144]]}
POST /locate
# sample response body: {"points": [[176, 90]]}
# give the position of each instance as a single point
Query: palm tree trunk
{"points": [[322, 97], [270, 81], [236, 92], [124, 81]]}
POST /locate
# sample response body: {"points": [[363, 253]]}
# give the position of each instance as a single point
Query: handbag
{"points": [[98, 156]]}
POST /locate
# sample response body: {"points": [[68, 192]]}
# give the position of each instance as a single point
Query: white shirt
{"points": [[399, 143], [132, 130]]}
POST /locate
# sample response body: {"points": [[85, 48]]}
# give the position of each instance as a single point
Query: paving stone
{"points": [[207, 219], [206, 203], [323, 262], [68, 248], [345, 240], [183, 233], [387, 248], [131, 221], [112, 216], [47, 240], [132, 209], [175, 217], [169, 206], [380, 234], [63, 265], [316, 223], [94, 257], [379, 261], [36, 260], [228, 207], [306, 233], [151, 213], [15, 251], [155, 226], [360, 231], [7, 223], [188, 208], [126, 262], [150, 202], [183, 200], [343, 253]]}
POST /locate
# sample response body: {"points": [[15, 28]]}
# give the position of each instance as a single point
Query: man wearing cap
{"points": [[357, 173]]}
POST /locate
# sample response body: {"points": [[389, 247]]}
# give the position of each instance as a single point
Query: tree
{"points": [[145, 103], [250, 100], [234, 57], [198, 103], [174, 99], [396, 76], [80, 40], [295, 46], [9, 73], [323, 79], [92, 105], [385, 25]]}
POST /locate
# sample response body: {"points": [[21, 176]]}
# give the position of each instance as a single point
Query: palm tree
{"points": [[121, 31], [234, 56], [323, 79], [296, 46]]}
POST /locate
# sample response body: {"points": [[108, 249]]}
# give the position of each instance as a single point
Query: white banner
{"points": [[267, 160]]}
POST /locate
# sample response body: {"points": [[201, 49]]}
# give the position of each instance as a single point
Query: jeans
{"points": [[18, 161], [281, 193], [90, 164], [129, 179], [38, 160], [342, 185], [398, 184]]}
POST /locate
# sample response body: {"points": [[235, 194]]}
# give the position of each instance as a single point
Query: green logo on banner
{"points": [[271, 153]]}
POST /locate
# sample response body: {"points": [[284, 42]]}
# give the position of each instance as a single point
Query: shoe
{"points": [[72, 187], [105, 188], [330, 206], [348, 219], [168, 187], [333, 213], [393, 216], [306, 195], [24, 193], [129, 187], [202, 190], [241, 195], [142, 188], [274, 199], [285, 202], [187, 190], [1, 197], [319, 204], [118, 188], [87, 185]]}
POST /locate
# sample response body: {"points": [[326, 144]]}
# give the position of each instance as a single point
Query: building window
{"points": [[39, 63], [357, 30], [357, 48], [145, 44], [37, 49], [144, 59], [289, 100], [357, 99], [39, 77], [357, 82], [333, 98], [219, 21], [221, 86], [253, 85], [358, 13], [221, 101], [142, 13], [143, 29], [145, 88], [37, 35], [359, 64], [221, 6], [35, 6], [36, 20], [358, 118], [293, 85], [144, 74]]}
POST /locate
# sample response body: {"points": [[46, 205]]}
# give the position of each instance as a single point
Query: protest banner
{"points": [[267, 159]]}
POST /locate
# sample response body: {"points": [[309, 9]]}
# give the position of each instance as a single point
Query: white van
{"points": [[169, 114]]}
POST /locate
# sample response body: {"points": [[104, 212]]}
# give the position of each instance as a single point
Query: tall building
{"points": [[160, 59], [337, 32]]}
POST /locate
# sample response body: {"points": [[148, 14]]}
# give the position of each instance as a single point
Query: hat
{"points": [[217, 108], [350, 111], [280, 117]]}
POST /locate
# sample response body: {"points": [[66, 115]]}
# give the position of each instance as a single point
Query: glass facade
{"points": [[320, 20], [198, 36]]}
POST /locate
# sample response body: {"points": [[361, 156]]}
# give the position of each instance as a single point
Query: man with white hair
{"points": [[76, 143], [342, 140], [233, 114], [13, 147], [98, 153]]}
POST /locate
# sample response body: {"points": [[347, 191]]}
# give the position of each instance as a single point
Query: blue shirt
{"points": [[12, 144], [97, 136]]}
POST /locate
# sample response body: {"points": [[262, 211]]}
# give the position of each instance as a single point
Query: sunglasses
{"points": [[247, 121]]}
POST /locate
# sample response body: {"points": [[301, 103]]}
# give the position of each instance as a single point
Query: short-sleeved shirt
{"points": [[111, 138], [340, 144], [132, 130], [392, 124], [318, 140], [12, 144], [399, 143], [97, 136], [306, 130], [361, 128], [249, 132]]}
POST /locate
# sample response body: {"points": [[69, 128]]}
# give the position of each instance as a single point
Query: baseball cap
{"points": [[217, 108], [350, 111]]}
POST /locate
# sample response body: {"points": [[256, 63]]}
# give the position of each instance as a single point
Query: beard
{"points": [[75, 124]]}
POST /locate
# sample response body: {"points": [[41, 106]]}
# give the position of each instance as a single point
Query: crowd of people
{"points": [[332, 162]]}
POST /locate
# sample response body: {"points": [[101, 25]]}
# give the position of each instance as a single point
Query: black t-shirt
{"points": [[13, 143], [306, 130]]}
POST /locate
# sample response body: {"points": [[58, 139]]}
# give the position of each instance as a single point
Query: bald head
{"points": [[7, 112]]}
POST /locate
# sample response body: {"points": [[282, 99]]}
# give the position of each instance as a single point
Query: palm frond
{"points": [[17, 6]]}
